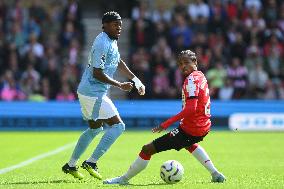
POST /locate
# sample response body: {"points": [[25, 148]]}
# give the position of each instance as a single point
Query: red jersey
{"points": [[195, 115]]}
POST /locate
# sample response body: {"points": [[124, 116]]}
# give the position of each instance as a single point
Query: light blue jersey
{"points": [[104, 55]]}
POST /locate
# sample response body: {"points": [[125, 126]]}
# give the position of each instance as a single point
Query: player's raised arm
{"points": [[123, 68]]}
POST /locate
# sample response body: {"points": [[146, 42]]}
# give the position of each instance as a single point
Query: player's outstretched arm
{"points": [[123, 68], [189, 111], [99, 75]]}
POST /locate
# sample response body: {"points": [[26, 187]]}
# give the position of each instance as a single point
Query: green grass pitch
{"points": [[248, 159]]}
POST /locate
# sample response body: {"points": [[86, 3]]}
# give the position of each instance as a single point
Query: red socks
{"points": [[192, 147], [144, 156]]}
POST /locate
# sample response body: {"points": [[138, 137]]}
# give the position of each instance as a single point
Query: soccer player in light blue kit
{"points": [[96, 107]]}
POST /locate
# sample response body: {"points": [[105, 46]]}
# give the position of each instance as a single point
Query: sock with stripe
{"points": [[137, 166], [200, 154]]}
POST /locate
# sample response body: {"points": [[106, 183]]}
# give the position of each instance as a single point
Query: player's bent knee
{"points": [[148, 149], [119, 127]]}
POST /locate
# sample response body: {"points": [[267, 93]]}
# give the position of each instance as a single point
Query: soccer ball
{"points": [[171, 171]]}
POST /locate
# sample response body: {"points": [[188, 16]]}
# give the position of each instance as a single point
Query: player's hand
{"points": [[157, 129], [141, 90], [139, 86], [126, 86]]}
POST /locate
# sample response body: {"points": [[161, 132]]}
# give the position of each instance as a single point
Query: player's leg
{"points": [[95, 127], [200, 154], [89, 107], [163, 143], [109, 114], [83, 142], [141, 162], [136, 167], [111, 134]]}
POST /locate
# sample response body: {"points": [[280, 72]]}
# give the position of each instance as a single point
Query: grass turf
{"points": [[248, 159]]}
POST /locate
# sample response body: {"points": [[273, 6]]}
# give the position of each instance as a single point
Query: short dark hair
{"points": [[188, 53], [110, 17]]}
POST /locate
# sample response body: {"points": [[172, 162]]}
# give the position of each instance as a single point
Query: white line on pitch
{"points": [[36, 158]]}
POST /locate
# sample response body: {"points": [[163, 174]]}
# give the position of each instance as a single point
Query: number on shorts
{"points": [[174, 132]]}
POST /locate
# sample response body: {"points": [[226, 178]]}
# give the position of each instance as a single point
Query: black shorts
{"points": [[175, 139]]}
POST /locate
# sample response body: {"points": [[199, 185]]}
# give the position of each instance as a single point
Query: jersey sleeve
{"points": [[188, 111], [99, 53], [191, 88]]}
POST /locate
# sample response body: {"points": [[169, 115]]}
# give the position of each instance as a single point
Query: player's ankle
{"points": [[124, 178]]}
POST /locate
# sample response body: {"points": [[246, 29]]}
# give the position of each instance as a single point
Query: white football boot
{"points": [[117, 180], [218, 177]]}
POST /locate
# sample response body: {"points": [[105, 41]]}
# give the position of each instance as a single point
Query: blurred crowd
{"points": [[40, 49], [239, 46]]}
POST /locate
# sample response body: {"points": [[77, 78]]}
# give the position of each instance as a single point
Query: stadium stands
{"points": [[239, 44]]}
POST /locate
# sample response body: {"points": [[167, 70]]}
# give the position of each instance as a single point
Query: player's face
{"points": [[186, 65], [114, 28]]}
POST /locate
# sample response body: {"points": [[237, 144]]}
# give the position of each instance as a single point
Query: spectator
{"points": [[65, 94], [30, 80], [238, 47], [270, 92], [216, 78], [141, 12], [10, 90], [274, 64], [257, 80], [180, 7], [73, 52], [249, 4], [45, 87], [50, 36], [51, 75], [253, 56], [161, 83], [34, 46], [68, 34], [280, 21], [37, 11], [180, 33], [270, 11], [161, 30], [141, 31], [226, 92], [198, 9], [238, 74], [161, 14], [254, 21], [16, 36], [140, 64]]}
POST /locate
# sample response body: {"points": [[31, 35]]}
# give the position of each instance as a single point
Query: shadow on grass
{"points": [[150, 184], [133, 185], [42, 182], [77, 181]]}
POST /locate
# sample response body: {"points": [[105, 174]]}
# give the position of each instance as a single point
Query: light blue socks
{"points": [[83, 142], [107, 140]]}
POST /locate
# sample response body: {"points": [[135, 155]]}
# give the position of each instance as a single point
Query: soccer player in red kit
{"points": [[194, 124]]}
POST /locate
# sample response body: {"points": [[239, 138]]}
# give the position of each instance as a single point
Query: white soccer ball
{"points": [[171, 171]]}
